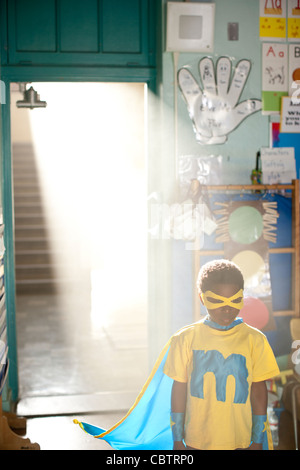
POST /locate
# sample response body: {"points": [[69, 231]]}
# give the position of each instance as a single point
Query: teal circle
{"points": [[245, 225]]}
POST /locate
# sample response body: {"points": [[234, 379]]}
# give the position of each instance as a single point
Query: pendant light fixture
{"points": [[31, 99]]}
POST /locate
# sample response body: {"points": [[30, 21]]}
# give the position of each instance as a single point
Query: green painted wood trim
{"points": [[78, 74], [9, 262], [54, 44]]}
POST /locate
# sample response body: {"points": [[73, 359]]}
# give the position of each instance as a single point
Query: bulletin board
{"points": [[288, 279]]}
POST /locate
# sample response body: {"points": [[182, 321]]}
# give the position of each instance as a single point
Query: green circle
{"points": [[245, 225]]}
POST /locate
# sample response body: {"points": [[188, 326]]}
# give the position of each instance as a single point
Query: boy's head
{"points": [[220, 286]]}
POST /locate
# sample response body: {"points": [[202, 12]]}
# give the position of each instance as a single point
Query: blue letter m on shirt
{"points": [[214, 361]]}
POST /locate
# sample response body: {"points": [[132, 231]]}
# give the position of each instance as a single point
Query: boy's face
{"points": [[225, 314]]}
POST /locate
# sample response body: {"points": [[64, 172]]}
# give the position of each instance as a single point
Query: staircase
{"points": [[34, 268]]}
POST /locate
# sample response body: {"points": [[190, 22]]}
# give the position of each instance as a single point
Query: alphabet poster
{"points": [[293, 20], [294, 70], [272, 20], [274, 76], [279, 20]]}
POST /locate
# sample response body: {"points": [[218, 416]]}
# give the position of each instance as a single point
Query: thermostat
{"points": [[190, 27]]}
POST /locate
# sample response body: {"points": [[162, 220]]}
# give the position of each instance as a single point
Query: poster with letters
{"points": [[294, 70], [274, 76], [272, 20], [293, 25]]}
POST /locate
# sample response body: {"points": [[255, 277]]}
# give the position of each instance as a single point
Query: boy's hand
{"points": [[179, 445]]}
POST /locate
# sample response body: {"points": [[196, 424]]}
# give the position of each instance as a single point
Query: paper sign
{"points": [[272, 21], [274, 76], [293, 20], [278, 165], [290, 115]]}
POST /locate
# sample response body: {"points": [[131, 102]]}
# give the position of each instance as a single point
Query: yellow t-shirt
{"points": [[219, 368]]}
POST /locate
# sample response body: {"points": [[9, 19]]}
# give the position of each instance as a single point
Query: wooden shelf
{"points": [[294, 249], [9, 440]]}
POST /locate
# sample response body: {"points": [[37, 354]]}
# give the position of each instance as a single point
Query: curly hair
{"points": [[221, 271]]}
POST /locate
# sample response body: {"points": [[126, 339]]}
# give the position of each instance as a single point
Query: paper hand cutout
{"points": [[214, 110]]}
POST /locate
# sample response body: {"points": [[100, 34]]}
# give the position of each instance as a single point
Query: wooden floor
{"points": [[70, 368], [60, 433]]}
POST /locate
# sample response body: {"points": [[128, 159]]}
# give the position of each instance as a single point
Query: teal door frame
{"points": [[11, 74]]}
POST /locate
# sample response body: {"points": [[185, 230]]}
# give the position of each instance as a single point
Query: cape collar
{"points": [[216, 326]]}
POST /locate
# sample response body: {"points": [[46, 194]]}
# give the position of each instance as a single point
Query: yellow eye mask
{"points": [[236, 301]]}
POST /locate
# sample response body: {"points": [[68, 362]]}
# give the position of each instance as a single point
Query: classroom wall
{"points": [[238, 153], [240, 149]]}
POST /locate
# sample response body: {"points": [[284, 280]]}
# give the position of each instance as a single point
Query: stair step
{"points": [[25, 176], [40, 272], [45, 287], [30, 199], [27, 199], [32, 259], [25, 190], [27, 282], [30, 220], [28, 210], [34, 231], [25, 244], [23, 168], [37, 257], [26, 186], [37, 262]]}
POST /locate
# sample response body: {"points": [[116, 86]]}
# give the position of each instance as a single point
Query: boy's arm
{"points": [[259, 402], [178, 404]]}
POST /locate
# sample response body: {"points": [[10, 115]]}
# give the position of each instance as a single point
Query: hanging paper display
{"points": [[206, 169], [272, 20], [274, 76], [245, 228], [293, 20], [189, 218], [215, 109]]}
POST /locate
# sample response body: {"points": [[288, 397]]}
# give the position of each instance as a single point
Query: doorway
{"points": [[80, 191]]}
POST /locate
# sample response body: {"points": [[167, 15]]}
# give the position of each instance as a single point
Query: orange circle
{"points": [[296, 74]]}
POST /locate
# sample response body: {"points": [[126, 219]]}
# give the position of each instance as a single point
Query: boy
{"points": [[219, 367]]}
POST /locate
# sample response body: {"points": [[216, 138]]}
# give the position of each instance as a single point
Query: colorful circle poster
{"points": [[246, 227]]}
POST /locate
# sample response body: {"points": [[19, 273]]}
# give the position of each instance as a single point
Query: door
{"points": [[88, 335]]}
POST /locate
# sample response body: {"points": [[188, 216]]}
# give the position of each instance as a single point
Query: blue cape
{"points": [[146, 426]]}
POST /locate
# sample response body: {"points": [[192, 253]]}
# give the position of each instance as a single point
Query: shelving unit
{"points": [[9, 440], [294, 249]]}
